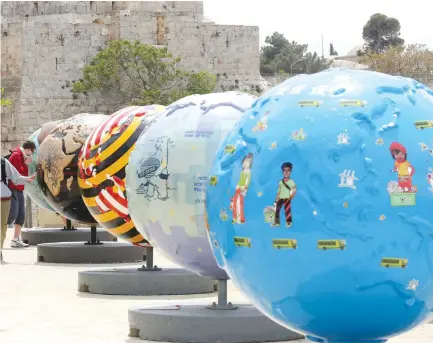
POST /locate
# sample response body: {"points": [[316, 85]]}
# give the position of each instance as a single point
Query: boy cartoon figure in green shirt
{"points": [[286, 192]]}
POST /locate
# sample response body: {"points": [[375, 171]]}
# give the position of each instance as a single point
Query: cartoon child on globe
{"points": [[402, 167], [286, 192], [237, 201]]}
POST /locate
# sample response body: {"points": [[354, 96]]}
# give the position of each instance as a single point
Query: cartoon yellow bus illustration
{"points": [[347, 103], [326, 244], [229, 149], [309, 103], [395, 262], [242, 242], [285, 243], [213, 180], [423, 124]]}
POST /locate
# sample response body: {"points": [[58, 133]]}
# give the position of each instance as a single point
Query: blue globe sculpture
{"points": [[167, 173], [329, 192]]}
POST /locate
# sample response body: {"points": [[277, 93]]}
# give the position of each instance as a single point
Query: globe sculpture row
{"points": [[315, 198]]}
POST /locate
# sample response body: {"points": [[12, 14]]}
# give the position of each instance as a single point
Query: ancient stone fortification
{"points": [[46, 44]]}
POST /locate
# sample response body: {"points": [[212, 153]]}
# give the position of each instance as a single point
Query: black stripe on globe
{"points": [[129, 142]]}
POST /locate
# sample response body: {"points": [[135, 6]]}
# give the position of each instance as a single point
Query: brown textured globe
{"points": [[57, 165]]}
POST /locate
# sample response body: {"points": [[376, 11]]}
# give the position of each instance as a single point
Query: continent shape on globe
{"points": [[168, 171], [32, 189], [330, 191], [57, 165], [102, 165]]}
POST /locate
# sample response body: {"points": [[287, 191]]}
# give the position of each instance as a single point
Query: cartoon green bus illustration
{"points": [[395, 262], [423, 124], [326, 244], [309, 103], [242, 242], [229, 149], [356, 103], [285, 243], [213, 180], [403, 199]]}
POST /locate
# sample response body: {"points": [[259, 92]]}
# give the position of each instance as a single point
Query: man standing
{"points": [[19, 158], [286, 192], [8, 173]]}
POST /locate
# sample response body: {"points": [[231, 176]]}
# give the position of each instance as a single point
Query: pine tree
{"points": [[332, 51]]}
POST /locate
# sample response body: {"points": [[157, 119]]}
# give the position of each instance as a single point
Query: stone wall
{"points": [[47, 57], [229, 52], [11, 81], [45, 46]]}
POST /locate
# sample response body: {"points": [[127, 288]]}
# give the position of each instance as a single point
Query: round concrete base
{"points": [[38, 236], [131, 281], [195, 323], [79, 252]]}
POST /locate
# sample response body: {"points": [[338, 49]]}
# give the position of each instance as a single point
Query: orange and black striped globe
{"points": [[102, 163]]}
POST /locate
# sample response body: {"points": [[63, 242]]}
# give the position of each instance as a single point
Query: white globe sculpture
{"points": [[167, 173]]}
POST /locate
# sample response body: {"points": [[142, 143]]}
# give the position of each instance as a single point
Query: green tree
{"points": [[312, 63], [275, 45], [279, 54], [414, 61], [132, 73], [332, 51], [381, 33], [291, 56], [4, 101]]}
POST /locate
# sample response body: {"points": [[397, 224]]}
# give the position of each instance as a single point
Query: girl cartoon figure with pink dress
{"points": [[237, 201]]}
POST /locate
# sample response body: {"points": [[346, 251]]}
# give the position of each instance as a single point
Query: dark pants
{"points": [[18, 209], [287, 211]]}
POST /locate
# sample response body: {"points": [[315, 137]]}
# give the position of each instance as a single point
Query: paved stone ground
{"points": [[39, 303]]}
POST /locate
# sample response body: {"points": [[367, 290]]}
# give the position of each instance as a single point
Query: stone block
{"points": [[81, 8], [12, 136]]}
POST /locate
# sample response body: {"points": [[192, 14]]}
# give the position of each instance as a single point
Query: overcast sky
{"points": [[340, 21]]}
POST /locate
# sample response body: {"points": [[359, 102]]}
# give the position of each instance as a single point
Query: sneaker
{"points": [[18, 243]]}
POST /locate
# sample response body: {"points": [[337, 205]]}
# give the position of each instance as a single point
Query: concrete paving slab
{"points": [[35, 236], [79, 252], [132, 281], [199, 324]]}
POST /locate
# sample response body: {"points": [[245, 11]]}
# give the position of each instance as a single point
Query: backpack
{"points": [[3, 171]]}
